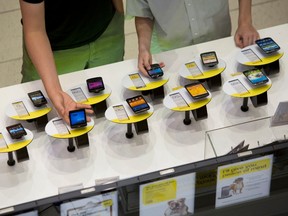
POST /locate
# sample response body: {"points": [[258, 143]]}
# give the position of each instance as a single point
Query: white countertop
{"points": [[169, 142]]}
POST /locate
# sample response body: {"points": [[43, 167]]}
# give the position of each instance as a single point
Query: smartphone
{"points": [[155, 71], [95, 84], [209, 59], [16, 131], [77, 118], [138, 104], [256, 76], [267, 45], [197, 90], [37, 98]]}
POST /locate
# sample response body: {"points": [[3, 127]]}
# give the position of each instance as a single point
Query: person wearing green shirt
{"points": [[64, 36]]}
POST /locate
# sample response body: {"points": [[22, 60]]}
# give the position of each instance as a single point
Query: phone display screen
{"points": [[95, 84], [268, 45], [138, 104], [16, 131], [155, 71], [37, 98], [77, 118], [209, 59], [256, 76], [197, 90]]}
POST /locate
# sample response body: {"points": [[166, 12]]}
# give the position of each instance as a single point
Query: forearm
{"points": [[41, 55], [245, 15], [144, 27], [118, 4]]}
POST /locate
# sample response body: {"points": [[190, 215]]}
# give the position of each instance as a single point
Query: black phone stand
{"points": [[258, 100], [140, 127], [21, 155], [99, 108], [199, 114], [157, 93], [80, 141], [271, 68]]}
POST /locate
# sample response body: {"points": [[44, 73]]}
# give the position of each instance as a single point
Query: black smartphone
{"points": [[138, 104], [155, 71], [37, 98], [197, 90], [77, 118], [267, 45], [209, 59], [16, 131], [256, 76], [95, 84]]}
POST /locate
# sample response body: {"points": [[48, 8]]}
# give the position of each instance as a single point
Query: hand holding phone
{"points": [[95, 84], [209, 59], [256, 76], [77, 118], [197, 90], [138, 104], [155, 71], [37, 98], [267, 45], [16, 131]]}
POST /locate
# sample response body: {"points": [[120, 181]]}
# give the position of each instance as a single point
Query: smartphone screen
{"points": [[138, 104], [95, 84], [193, 69], [197, 90], [155, 71], [79, 95], [20, 109], [77, 118], [37, 98], [268, 45], [256, 76], [120, 112], [137, 80], [61, 127], [238, 86], [209, 59], [16, 131], [179, 100]]}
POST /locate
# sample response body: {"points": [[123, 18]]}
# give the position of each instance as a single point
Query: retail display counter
{"points": [[169, 144]]}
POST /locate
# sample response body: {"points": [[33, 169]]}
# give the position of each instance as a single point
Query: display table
{"points": [[253, 56], [198, 107], [194, 70], [257, 94], [19, 146], [154, 87], [81, 94], [80, 135], [139, 120], [169, 142], [36, 114]]}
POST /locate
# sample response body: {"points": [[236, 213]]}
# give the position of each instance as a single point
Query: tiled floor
{"points": [[266, 13]]}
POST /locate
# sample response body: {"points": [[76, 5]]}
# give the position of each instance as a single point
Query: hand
{"points": [[245, 35], [144, 62], [64, 103]]}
